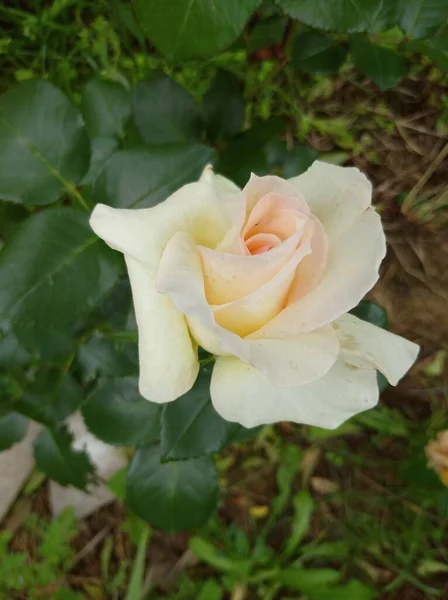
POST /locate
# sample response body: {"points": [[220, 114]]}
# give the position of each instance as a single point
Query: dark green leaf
{"points": [[54, 269], [165, 113], [383, 66], [12, 429], [372, 313], [317, 54], [107, 358], [247, 152], [347, 16], [118, 308], [267, 32], [11, 215], [143, 177], [117, 414], [50, 399], [421, 18], [56, 458], [44, 148], [184, 29], [175, 495], [224, 107], [12, 351], [106, 107], [102, 150], [45, 343], [290, 163], [191, 427], [435, 48], [124, 16]]}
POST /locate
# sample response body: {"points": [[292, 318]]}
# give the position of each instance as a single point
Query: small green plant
{"points": [[44, 577]]}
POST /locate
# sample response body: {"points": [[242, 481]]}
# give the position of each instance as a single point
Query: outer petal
{"points": [[365, 345], [232, 202], [296, 360], [351, 271], [168, 360], [311, 268], [180, 276], [290, 361], [243, 394], [336, 195], [144, 233]]}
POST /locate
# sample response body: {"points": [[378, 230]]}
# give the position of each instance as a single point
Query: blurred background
{"points": [[351, 514]]}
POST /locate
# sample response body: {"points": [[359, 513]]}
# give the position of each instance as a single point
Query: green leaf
{"points": [[12, 351], [224, 107], [383, 66], [317, 54], [307, 580], [372, 313], [267, 32], [43, 137], [117, 414], [184, 29], [102, 150], [290, 163], [46, 344], [56, 458], [247, 152], [54, 269], [191, 427], [303, 510], [107, 358], [135, 588], [165, 112], [51, 398], [12, 429], [435, 48], [347, 16], [123, 15], [106, 107], [421, 18], [211, 590], [172, 496], [211, 555], [143, 177]]}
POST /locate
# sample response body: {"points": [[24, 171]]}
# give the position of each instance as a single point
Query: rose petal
{"points": [[365, 345], [351, 271], [335, 195], [257, 187], [243, 394], [180, 276], [310, 270], [144, 233], [249, 313], [228, 277], [168, 359], [296, 360]]}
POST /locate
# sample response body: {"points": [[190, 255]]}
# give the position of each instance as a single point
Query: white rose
{"points": [[263, 278]]}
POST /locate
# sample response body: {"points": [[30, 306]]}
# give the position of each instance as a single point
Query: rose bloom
{"points": [[437, 454], [263, 278]]}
